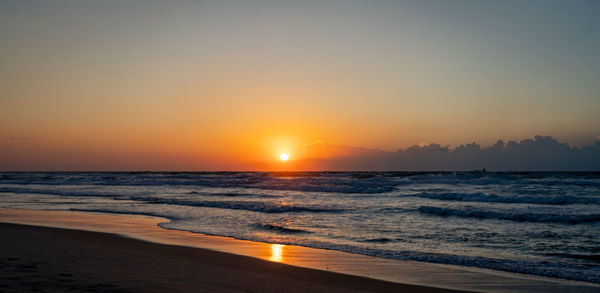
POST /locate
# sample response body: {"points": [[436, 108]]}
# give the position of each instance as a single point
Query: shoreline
{"points": [[84, 261], [425, 276]]}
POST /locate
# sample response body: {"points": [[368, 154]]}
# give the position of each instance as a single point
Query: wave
{"points": [[98, 193], [255, 206], [312, 182], [378, 240], [590, 257], [553, 269], [340, 182], [250, 206], [483, 197], [546, 268], [585, 179], [514, 216], [233, 194], [503, 179], [278, 228], [57, 192]]}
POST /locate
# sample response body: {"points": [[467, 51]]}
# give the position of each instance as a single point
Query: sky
{"points": [[230, 85]]}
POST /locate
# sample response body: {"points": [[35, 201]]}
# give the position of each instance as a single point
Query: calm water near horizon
{"points": [[541, 223]]}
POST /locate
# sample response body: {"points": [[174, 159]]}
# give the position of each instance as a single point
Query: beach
{"points": [[42, 259], [300, 146], [57, 251], [540, 224]]}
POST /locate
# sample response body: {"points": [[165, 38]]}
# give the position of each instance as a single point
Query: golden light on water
{"points": [[284, 157], [276, 252]]}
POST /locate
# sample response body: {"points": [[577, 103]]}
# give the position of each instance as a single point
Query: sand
{"points": [[71, 259], [44, 259]]}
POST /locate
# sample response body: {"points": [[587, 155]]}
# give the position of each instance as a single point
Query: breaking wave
{"points": [[255, 206], [278, 228], [511, 216], [484, 197]]}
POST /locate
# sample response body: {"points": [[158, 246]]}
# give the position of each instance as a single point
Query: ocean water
{"points": [[545, 224]]}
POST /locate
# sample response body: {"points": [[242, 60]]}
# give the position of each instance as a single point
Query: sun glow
{"points": [[284, 157]]}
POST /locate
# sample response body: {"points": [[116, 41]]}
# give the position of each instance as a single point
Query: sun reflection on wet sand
{"points": [[276, 251], [145, 228]]}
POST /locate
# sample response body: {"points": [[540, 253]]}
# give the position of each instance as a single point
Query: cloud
{"points": [[319, 149], [540, 153]]}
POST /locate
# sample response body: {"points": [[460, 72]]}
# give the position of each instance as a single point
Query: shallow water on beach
{"points": [[537, 223]]}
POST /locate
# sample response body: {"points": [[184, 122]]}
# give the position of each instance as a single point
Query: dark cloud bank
{"points": [[542, 153]]}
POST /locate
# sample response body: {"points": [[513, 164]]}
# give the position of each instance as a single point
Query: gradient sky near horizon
{"points": [[228, 85]]}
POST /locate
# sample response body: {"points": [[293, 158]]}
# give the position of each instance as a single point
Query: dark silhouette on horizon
{"points": [[541, 153]]}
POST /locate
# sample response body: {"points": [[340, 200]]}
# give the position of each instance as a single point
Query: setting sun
{"points": [[358, 134]]}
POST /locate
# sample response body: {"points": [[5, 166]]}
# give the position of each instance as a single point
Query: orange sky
{"points": [[230, 86]]}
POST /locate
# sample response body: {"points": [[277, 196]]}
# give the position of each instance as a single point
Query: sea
{"points": [[539, 223]]}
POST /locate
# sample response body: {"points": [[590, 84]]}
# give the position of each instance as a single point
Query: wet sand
{"points": [[43, 259], [133, 254]]}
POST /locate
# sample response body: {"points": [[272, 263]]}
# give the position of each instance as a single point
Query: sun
{"points": [[284, 157]]}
